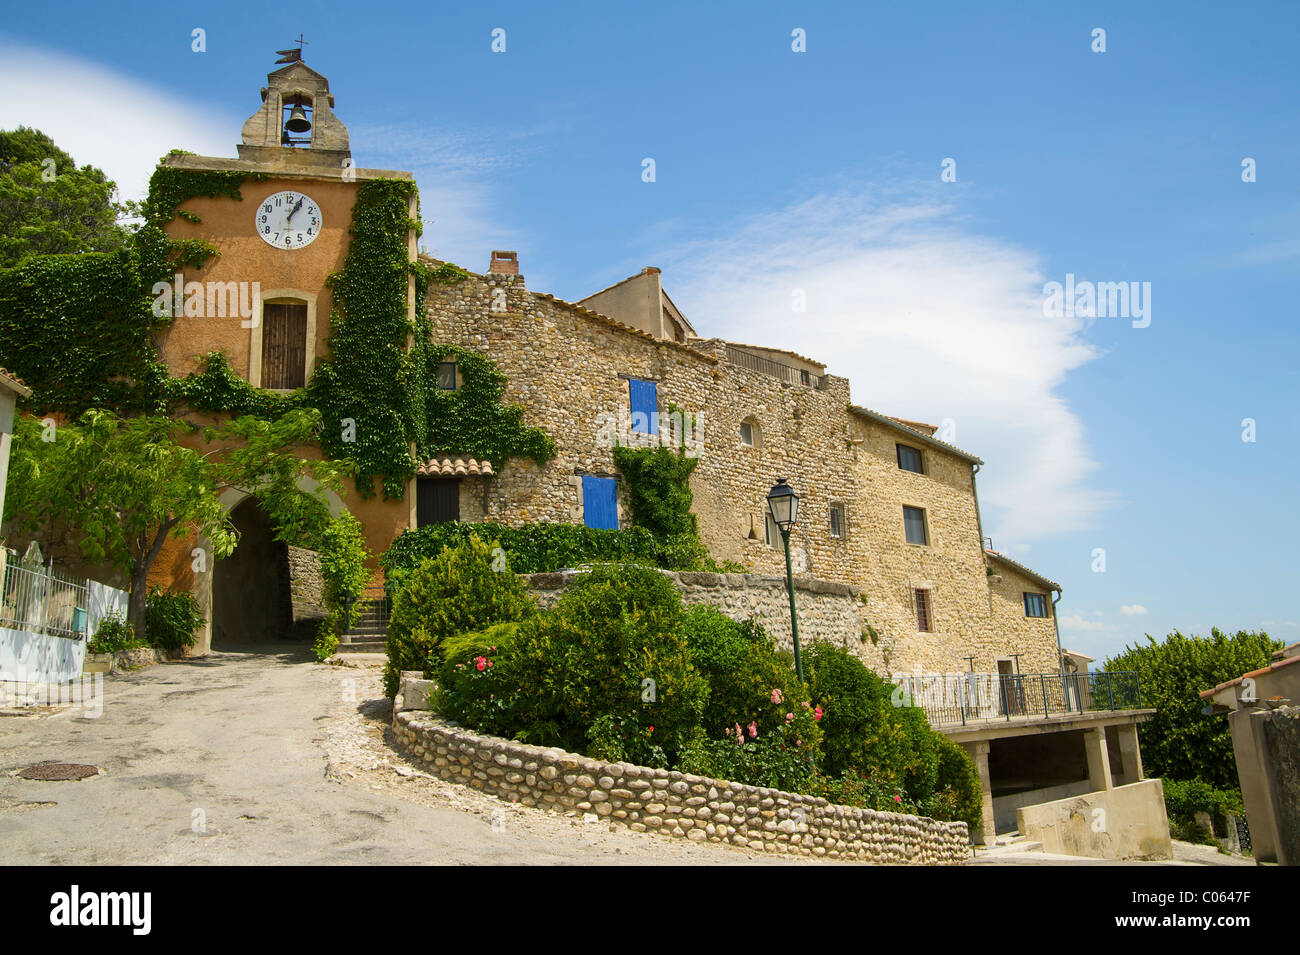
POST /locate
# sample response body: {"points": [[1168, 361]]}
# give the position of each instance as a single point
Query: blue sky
{"points": [[820, 171]]}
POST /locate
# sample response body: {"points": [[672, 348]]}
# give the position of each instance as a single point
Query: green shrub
{"points": [[171, 619], [611, 647], [1185, 798], [113, 635], [957, 794], [464, 588], [742, 667], [867, 737], [471, 690], [343, 555], [882, 794], [781, 758], [326, 643], [541, 547]]}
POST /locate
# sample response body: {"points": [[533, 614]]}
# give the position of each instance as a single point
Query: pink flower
{"points": [[898, 798], [806, 704], [481, 663], [789, 717], [489, 663], [753, 730], [739, 731], [817, 713], [777, 697]]}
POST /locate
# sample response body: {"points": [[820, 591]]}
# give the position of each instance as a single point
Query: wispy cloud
{"points": [[105, 119], [1130, 610], [929, 321], [1077, 623], [459, 177]]}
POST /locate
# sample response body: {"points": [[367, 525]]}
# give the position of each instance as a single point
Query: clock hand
{"points": [[294, 212]]}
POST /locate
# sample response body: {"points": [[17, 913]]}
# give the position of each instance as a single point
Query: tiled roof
{"points": [[454, 467], [1286, 661], [929, 429], [919, 435], [1032, 575], [14, 383]]}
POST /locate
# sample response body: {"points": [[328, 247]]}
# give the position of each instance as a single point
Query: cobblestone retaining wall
{"points": [[673, 803]]}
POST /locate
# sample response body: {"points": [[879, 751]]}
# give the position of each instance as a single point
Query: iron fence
{"points": [[965, 697], [42, 600], [777, 369]]}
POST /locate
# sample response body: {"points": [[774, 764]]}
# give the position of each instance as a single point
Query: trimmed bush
{"points": [[463, 589], [171, 619]]}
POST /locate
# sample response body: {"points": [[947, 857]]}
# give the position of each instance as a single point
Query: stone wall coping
{"points": [[670, 802]]}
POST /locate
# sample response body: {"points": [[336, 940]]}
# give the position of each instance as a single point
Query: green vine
{"points": [[77, 328], [472, 420], [659, 489], [218, 389]]}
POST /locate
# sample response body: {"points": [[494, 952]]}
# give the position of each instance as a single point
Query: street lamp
{"points": [[783, 504]]}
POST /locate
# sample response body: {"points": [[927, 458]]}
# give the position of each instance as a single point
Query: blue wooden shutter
{"points": [[600, 502], [645, 400]]}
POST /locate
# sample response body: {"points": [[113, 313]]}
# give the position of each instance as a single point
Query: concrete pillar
{"points": [[979, 752], [1094, 742], [1130, 754]]}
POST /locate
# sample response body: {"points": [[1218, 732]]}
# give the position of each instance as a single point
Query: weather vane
{"points": [[292, 56]]}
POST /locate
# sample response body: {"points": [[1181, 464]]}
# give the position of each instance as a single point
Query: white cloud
{"points": [[1132, 609], [1077, 623], [105, 119], [456, 172], [929, 322]]}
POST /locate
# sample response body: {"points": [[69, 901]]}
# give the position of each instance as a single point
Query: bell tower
{"points": [[296, 125]]}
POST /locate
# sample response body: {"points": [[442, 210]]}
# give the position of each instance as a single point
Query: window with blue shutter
{"points": [[600, 502], [645, 405]]}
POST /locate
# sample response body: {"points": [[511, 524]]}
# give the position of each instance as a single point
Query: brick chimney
{"points": [[504, 263]]}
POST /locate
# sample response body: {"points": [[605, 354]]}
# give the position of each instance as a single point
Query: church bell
{"points": [[298, 121]]}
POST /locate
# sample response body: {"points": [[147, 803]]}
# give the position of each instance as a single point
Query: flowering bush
{"points": [[471, 690], [784, 756]]}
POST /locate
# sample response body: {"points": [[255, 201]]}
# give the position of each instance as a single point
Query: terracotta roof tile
{"points": [[454, 467]]}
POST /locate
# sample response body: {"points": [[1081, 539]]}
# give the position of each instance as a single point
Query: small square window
{"points": [[747, 433], [1035, 605], [914, 525], [909, 459], [447, 375], [837, 520], [924, 616]]}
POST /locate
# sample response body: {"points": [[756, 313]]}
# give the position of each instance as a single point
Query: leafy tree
{"points": [[50, 206], [1179, 741], [126, 484]]}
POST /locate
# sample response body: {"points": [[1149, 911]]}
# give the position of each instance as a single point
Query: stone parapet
{"points": [[673, 803]]}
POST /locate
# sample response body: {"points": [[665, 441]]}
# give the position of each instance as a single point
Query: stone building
{"points": [[888, 510]]}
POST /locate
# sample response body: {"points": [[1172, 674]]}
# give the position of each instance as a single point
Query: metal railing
{"points": [[777, 369], [42, 600], [966, 697]]}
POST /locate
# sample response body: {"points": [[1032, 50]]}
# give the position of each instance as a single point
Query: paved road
{"points": [[285, 760]]}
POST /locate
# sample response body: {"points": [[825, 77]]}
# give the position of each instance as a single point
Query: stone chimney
{"points": [[504, 263]]}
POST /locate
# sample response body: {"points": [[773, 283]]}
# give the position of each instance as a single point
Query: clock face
{"points": [[288, 220]]}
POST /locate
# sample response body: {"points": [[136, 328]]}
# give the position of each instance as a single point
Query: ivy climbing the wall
{"points": [[472, 420], [78, 328]]}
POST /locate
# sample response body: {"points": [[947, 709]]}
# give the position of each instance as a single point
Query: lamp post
{"points": [[783, 504]]}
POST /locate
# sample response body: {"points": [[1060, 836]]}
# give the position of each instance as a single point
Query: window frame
{"points": [[746, 423], [455, 375], [652, 416], [1042, 597], [923, 607], [843, 521], [899, 447], [925, 526]]}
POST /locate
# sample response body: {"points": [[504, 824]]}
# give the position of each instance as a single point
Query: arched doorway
{"points": [[250, 588]]}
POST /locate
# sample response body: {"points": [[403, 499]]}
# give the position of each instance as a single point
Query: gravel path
{"points": [[268, 758]]}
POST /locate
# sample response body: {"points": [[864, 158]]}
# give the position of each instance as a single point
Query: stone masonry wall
{"points": [[569, 368], [673, 803], [827, 610]]}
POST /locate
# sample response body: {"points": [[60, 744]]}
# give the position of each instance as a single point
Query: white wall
{"points": [[38, 657]]}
